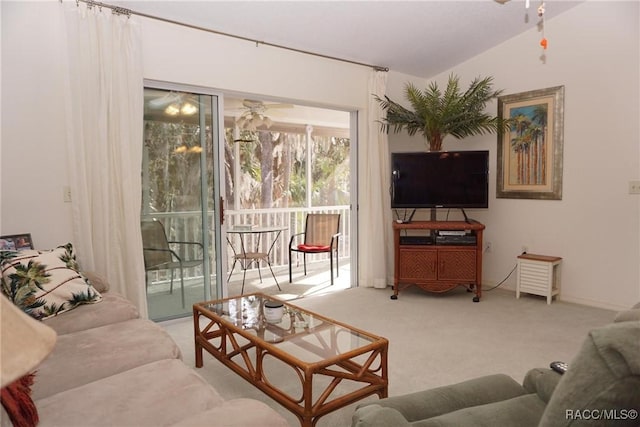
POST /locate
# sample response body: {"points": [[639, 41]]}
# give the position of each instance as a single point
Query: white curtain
{"points": [[374, 213], [104, 108]]}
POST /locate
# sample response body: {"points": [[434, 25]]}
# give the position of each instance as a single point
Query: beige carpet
{"points": [[435, 339]]}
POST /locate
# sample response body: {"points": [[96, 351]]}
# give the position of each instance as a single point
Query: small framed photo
{"points": [[530, 154], [16, 242]]}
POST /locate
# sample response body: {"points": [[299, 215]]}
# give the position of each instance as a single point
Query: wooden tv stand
{"points": [[435, 265]]}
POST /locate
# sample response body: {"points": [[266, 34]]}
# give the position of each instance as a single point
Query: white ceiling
{"points": [[419, 38]]}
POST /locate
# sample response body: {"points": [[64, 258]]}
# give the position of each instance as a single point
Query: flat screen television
{"points": [[443, 179]]}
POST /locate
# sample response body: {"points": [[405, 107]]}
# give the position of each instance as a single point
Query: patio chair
{"points": [[321, 234], [158, 254]]}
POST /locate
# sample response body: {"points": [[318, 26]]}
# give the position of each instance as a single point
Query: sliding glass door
{"points": [[179, 227], [284, 161]]}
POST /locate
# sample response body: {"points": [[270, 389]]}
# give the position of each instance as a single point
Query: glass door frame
{"points": [[218, 184], [354, 172]]}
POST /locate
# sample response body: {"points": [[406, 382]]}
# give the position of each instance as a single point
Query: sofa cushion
{"points": [[237, 413], [441, 400], [45, 283], [159, 393], [113, 308], [521, 411], [604, 376], [85, 356]]}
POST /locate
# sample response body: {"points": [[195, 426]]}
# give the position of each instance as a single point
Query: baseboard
{"points": [[593, 303], [573, 300]]}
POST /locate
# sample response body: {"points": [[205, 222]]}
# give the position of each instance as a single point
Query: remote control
{"points": [[559, 367]]}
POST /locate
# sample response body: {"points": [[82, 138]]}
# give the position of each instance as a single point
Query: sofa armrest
{"points": [[633, 314], [441, 400], [541, 381], [97, 281], [604, 376], [377, 416]]}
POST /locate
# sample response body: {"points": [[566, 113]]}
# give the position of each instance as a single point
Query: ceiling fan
{"points": [[174, 103], [253, 114]]}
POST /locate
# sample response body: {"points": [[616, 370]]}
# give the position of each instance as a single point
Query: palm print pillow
{"points": [[45, 283]]}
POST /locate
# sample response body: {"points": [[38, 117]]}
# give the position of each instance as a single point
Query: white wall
{"points": [[594, 52], [33, 168]]}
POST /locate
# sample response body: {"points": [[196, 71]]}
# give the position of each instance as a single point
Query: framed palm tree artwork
{"points": [[530, 152]]}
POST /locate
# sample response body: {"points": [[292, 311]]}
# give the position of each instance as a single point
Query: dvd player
{"points": [[452, 232], [416, 240], [466, 240]]}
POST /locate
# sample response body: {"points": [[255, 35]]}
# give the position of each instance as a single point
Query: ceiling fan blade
{"points": [[173, 98], [252, 104], [270, 106], [255, 105], [165, 100]]}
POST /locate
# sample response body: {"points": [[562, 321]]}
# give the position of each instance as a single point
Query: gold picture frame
{"points": [[530, 153]]}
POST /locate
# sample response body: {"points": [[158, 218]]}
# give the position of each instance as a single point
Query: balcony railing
{"points": [[187, 226]]}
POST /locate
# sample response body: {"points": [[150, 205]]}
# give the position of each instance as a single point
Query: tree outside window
{"points": [[273, 169]]}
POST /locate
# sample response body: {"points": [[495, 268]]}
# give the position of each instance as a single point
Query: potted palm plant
{"points": [[436, 114]]}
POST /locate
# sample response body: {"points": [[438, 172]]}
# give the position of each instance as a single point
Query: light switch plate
{"points": [[66, 194]]}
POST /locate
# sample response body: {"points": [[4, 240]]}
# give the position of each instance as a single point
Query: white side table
{"points": [[538, 275]]}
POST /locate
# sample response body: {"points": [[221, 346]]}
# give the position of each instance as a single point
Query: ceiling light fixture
{"points": [[188, 109], [185, 108], [184, 148], [172, 110]]}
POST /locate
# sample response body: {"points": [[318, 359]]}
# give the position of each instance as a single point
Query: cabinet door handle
{"points": [[442, 265]]}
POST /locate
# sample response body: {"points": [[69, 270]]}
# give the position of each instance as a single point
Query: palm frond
{"points": [[397, 117], [437, 114]]}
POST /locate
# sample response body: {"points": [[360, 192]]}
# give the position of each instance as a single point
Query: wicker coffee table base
{"points": [[249, 355]]}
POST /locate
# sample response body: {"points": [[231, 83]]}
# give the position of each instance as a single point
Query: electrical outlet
{"points": [[525, 249], [66, 194], [634, 187], [487, 247]]}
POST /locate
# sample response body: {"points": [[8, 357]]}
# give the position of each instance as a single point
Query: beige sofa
{"points": [[111, 368]]}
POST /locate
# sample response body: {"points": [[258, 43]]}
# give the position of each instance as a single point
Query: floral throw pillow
{"points": [[45, 283]]}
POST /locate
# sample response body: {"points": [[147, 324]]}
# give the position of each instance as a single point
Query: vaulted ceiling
{"points": [[419, 38]]}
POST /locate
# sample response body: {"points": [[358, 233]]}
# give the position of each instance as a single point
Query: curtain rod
{"points": [[128, 12]]}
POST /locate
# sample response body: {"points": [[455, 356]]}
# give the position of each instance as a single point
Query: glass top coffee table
{"points": [[309, 363]]}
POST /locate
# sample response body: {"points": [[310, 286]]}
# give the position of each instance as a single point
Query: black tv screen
{"points": [[443, 179]]}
